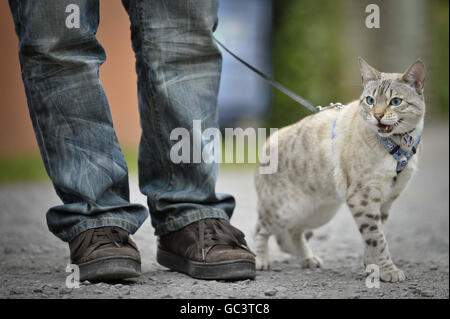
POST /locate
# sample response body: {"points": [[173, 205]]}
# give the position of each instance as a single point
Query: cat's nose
{"points": [[378, 116]]}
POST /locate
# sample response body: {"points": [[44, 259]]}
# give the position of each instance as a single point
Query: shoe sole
{"points": [[237, 269], [110, 269]]}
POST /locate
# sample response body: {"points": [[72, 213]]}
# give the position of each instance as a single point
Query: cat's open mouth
{"points": [[385, 128]]}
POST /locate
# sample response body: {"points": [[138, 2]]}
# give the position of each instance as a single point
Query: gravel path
{"points": [[33, 261]]}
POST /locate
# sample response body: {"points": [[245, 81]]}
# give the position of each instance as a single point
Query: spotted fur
{"points": [[315, 174]]}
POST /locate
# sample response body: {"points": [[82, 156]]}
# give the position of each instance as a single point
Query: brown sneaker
{"points": [[207, 249], [105, 253]]}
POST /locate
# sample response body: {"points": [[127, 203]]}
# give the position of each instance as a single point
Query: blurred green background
{"points": [[315, 47]]}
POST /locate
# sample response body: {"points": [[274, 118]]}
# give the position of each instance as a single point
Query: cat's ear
{"points": [[368, 73], [415, 75]]}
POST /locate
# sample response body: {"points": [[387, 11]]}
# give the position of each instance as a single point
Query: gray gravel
{"points": [[33, 261]]}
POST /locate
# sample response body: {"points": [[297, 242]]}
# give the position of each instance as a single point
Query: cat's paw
{"points": [[262, 263], [311, 262], [392, 275]]}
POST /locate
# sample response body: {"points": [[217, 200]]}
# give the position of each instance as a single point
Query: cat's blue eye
{"points": [[370, 100], [396, 101]]}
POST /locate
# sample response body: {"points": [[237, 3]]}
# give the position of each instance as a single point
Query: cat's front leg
{"points": [[367, 214]]}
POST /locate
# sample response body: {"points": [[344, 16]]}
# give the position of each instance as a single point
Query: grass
{"points": [[27, 168], [30, 168]]}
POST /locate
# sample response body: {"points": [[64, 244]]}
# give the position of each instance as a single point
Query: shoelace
{"points": [[97, 237], [103, 236], [213, 232]]}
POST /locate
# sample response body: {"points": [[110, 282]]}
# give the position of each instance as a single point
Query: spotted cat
{"points": [[362, 154]]}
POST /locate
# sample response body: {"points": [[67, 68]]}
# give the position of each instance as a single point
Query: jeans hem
{"points": [[189, 218], [68, 236]]}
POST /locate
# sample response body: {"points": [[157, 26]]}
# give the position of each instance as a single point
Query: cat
{"points": [[342, 154]]}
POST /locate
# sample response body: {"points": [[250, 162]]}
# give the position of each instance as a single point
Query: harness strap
{"points": [[394, 150], [402, 157], [333, 131]]}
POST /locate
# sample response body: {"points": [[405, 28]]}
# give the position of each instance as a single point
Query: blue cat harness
{"points": [[402, 157]]}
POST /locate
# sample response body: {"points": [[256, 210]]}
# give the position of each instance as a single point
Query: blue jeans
{"points": [[178, 67]]}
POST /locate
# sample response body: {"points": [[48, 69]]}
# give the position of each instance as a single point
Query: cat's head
{"points": [[392, 103]]}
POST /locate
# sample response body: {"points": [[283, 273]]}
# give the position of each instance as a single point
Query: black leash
{"points": [[297, 98]]}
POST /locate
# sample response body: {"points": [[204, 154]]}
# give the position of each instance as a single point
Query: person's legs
{"points": [[71, 117], [178, 67]]}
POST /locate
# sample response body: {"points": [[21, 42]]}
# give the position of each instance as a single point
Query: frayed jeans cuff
{"points": [[68, 236], [174, 224]]}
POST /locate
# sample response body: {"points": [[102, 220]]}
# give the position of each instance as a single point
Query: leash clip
{"points": [[329, 106]]}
